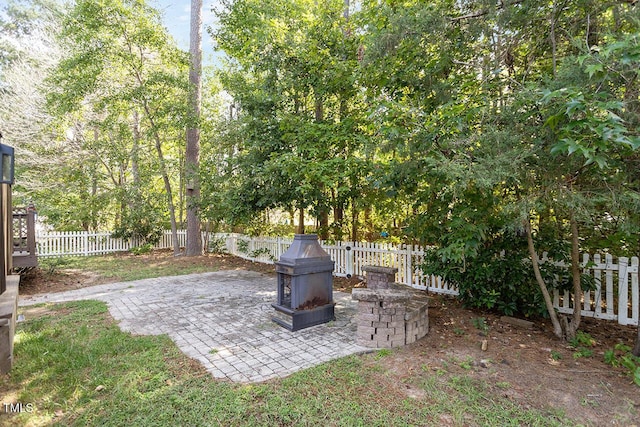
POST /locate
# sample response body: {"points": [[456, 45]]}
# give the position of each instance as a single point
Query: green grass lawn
{"points": [[74, 366], [123, 267]]}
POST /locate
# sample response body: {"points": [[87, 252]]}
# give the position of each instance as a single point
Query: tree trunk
{"points": [[165, 179], [338, 218], [292, 216], [135, 153], [354, 221], [182, 193], [300, 229], [167, 187], [552, 36], [557, 327], [192, 155], [133, 200], [318, 108], [123, 200], [632, 102], [368, 224], [324, 224], [636, 348]]}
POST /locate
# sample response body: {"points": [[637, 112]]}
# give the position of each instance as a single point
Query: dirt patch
{"points": [[526, 365], [39, 281], [529, 366]]}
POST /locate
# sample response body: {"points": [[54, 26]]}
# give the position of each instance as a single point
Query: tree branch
{"points": [[557, 328], [483, 12]]}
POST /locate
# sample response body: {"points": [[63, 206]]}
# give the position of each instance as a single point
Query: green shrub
{"points": [[140, 250], [480, 324], [143, 223], [52, 265], [217, 245], [264, 251], [621, 355], [582, 339], [499, 277], [243, 246], [491, 281]]}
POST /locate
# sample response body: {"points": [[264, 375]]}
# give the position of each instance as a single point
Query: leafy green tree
{"points": [[292, 77], [123, 73], [594, 120], [28, 49], [482, 152]]}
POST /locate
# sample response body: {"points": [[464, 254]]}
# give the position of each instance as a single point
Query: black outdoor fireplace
{"points": [[305, 285]]}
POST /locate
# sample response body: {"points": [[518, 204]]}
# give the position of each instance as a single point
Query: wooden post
{"points": [[3, 240], [623, 291], [587, 294], [349, 259], [408, 273], [635, 291]]}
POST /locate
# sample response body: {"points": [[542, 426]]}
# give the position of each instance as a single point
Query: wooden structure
{"points": [[24, 237], [8, 283], [6, 250]]}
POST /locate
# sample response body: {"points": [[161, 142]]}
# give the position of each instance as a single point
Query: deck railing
{"points": [[24, 237]]}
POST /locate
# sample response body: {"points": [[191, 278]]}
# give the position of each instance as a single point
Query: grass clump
{"points": [[621, 356], [480, 324], [582, 344]]}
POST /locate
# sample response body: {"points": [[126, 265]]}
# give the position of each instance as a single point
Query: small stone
{"points": [[100, 387], [485, 345]]}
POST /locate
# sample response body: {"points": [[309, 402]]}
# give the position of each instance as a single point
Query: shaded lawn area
{"points": [[76, 367]]}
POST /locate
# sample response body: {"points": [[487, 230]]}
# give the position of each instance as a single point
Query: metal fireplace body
{"points": [[305, 285]]}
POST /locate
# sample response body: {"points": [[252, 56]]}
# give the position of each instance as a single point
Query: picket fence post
{"points": [[623, 291], [278, 247], [408, 272], [635, 292], [349, 258]]}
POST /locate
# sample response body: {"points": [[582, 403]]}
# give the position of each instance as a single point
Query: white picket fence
{"points": [[616, 296], [349, 258], [82, 243]]}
